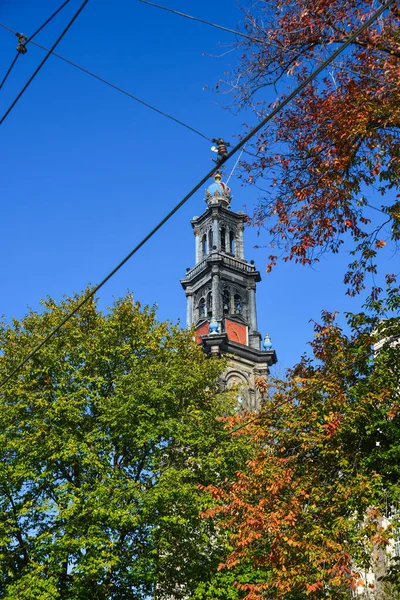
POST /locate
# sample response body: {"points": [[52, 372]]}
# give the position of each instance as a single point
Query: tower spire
{"points": [[221, 291]]}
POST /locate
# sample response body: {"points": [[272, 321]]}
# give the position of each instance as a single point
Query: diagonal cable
{"points": [[47, 21], [184, 15], [236, 164], [243, 35], [82, 6], [202, 181], [31, 38], [116, 87], [9, 70]]}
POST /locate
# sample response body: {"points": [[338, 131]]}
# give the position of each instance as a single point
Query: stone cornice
{"points": [[218, 343]]}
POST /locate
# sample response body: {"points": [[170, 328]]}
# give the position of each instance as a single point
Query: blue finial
{"points": [[213, 327], [267, 345], [218, 191]]}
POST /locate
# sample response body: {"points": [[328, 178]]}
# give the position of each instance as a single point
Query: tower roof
{"points": [[218, 192]]}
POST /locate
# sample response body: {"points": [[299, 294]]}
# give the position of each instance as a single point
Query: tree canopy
{"points": [[104, 438], [309, 507], [318, 162]]}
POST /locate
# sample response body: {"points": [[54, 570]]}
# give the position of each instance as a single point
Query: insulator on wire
{"points": [[22, 39], [220, 148]]}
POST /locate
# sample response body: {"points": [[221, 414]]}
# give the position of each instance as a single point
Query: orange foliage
{"points": [[302, 509], [337, 138]]}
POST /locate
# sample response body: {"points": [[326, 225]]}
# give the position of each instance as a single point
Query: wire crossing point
{"points": [[227, 156]]}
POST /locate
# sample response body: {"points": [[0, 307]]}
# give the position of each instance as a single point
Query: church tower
{"points": [[221, 294]]}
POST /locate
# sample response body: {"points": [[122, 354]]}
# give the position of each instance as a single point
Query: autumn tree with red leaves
{"points": [[308, 509], [338, 142]]}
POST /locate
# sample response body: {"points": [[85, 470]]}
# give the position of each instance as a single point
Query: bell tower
{"points": [[221, 294]]}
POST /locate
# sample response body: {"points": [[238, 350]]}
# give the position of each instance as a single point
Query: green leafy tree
{"points": [[104, 438], [308, 508]]}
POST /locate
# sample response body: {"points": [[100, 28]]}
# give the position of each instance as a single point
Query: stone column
{"points": [[254, 336], [197, 242], [252, 307], [227, 241], [239, 250], [189, 309], [216, 295]]}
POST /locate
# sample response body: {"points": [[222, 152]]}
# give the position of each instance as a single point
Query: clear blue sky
{"points": [[86, 172]]}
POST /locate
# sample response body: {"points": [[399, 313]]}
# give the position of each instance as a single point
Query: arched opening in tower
{"points": [[238, 304], [222, 232], [226, 302], [232, 243], [204, 245]]}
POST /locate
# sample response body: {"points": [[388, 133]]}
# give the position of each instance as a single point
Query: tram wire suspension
{"points": [[202, 181], [23, 40]]}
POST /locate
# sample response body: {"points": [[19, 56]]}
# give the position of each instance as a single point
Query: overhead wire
{"points": [[31, 38], [82, 6], [115, 87], [55, 13], [203, 180], [135, 98], [186, 16], [241, 34], [236, 164], [10, 68]]}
